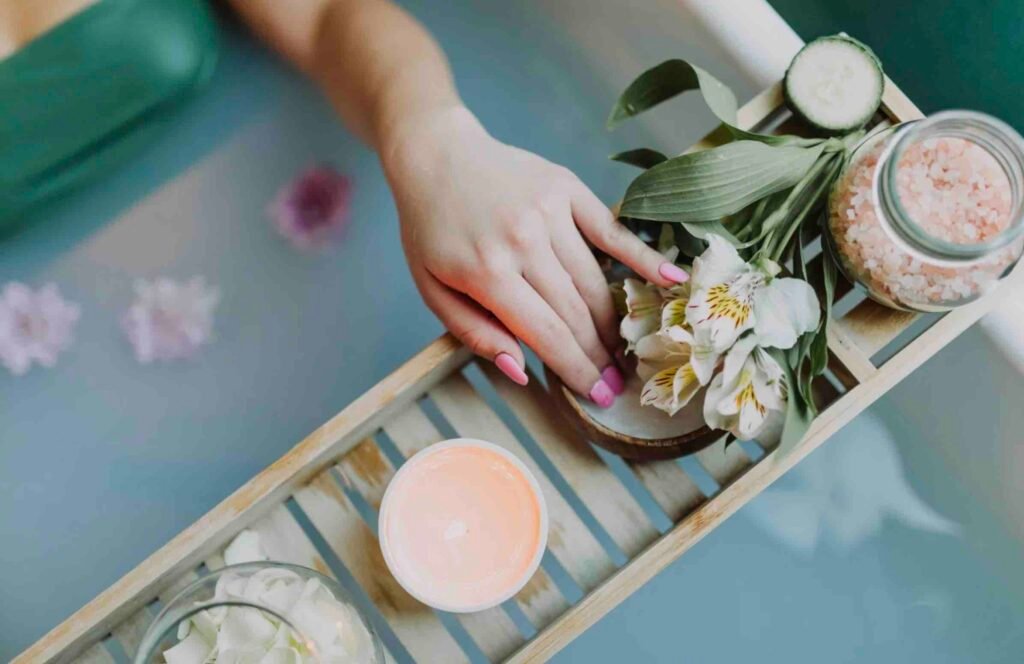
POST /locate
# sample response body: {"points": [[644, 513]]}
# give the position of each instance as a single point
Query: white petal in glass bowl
{"points": [[193, 649], [245, 628]]}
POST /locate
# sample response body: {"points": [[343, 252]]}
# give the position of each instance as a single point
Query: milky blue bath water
{"points": [[899, 541]]}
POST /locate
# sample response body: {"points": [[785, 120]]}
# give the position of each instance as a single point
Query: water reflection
{"points": [[843, 493]]}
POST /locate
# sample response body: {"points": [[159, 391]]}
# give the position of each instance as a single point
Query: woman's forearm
{"points": [[381, 70]]}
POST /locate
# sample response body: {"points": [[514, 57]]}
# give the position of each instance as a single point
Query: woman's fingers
{"points": [[474, 326], [600, 226], [590, 282], [527, 315], [551, 281]]}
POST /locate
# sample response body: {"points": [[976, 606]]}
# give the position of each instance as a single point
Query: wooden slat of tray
{"points": [[675, 493], [347, 440], [492, 630], [338, 521], [95, 654], [723, 463], [606, 497], [569, 539]]}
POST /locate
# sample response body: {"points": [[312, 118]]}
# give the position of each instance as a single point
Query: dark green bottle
{"points": [[80, 99]]}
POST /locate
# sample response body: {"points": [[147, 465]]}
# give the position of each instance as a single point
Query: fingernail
{"points": [[508, 366], [601, 394], [673, 273], [613, 378]]}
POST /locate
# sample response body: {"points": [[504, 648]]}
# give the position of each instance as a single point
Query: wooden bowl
{"points": [[617, 429]]}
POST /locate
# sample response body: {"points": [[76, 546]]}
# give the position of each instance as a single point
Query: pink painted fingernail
{"points": [[613, 378], [601, 394], [673, 273], [508, 366]]}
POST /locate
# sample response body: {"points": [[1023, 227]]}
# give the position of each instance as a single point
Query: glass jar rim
{"points": [[996, 137], [154, 638]]}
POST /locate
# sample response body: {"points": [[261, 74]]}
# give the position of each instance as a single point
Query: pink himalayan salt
{"points": [[954, 190]]}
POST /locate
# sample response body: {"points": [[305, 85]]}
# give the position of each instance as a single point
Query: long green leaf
{"points": [[710, 184], [641, 157], [798, 415], [670, 78], [674, 77]]}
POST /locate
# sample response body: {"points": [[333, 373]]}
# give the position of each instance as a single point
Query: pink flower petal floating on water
{"points": [[313, 208], [35, 326], [168, 320]]}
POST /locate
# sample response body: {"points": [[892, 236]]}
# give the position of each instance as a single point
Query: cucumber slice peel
{"points": [[835, 84]]}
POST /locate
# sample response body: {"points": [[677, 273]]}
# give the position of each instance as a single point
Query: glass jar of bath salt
{"points": [[261, 612], [927, 215]]}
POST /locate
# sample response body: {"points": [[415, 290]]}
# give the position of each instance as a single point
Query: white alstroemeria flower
{"points": [[650, 309], [670, 380], [730, 297], [643, 311], [750, 390]]}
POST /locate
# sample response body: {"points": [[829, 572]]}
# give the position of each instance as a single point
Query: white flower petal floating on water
{"points": [[35, 326], [168, 320], [742, 400]]}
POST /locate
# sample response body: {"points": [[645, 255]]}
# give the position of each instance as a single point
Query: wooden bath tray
{"points": [[614, 525]]}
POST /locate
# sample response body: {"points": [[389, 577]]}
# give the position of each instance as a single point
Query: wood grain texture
{"points": [[849, 353], [336, 518], [131, 630], [669, 486], [870, 326], [569, 539], [252, 500], [367, 471], [596, 485], [724, 464], [95, 654]]}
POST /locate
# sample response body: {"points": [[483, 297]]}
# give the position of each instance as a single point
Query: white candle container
{"points": [[403, 555]]}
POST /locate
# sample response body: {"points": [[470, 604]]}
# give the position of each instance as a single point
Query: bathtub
{"points": [[899, 540]]}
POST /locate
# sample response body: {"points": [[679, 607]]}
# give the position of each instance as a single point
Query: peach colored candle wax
{"points": [[463, 525]]}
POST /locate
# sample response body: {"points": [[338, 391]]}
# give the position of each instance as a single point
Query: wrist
{"points": [[423, 134]]}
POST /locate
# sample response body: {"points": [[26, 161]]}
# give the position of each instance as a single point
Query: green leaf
{"points": [[666, 238], [689, 245], [702, 229], [710, 184], [772, 139], [641, 157], [665, 81], [819, 347], [798, 415]]}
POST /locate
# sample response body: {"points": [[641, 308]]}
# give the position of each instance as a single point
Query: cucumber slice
{"points": [[835, 84]]}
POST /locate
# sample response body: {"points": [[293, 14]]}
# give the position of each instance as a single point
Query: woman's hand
{"points": [[494, 236]]}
